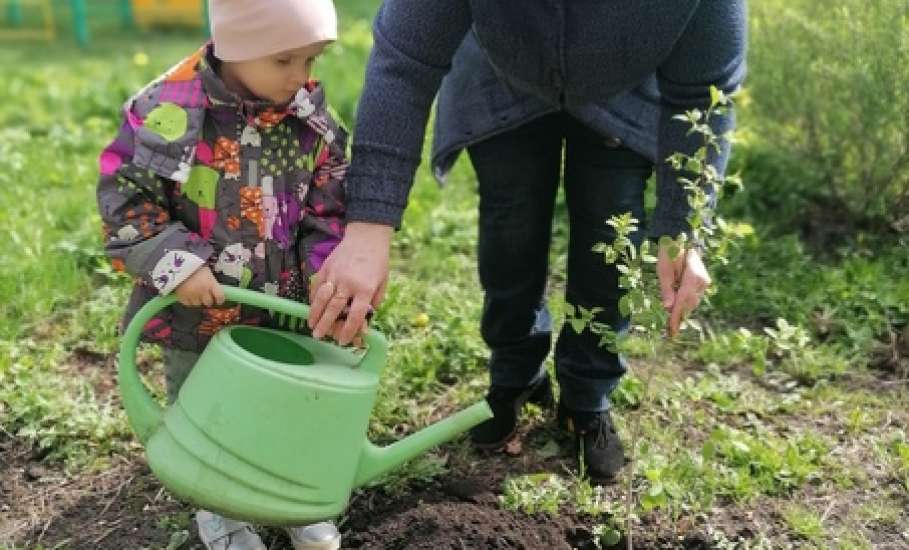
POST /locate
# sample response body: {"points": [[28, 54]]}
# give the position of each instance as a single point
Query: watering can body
{"points": [[270, 426]]}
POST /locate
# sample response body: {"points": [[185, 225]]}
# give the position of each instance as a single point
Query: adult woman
{"points": [[602, 78]]}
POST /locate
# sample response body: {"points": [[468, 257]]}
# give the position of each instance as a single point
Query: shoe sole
{"points": [[528, 396]]}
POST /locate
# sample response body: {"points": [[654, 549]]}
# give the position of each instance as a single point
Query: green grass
{"points": [[535, 493], [805, 522], [782, 412], [57, 293], [56, 116], [850, 296]]}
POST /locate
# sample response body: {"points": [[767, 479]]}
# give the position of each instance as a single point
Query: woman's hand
{"points": [[200, 289], [683, 281], [354, 274]]}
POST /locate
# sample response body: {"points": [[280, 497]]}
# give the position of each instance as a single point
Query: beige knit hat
{"points": [[249, 29]]}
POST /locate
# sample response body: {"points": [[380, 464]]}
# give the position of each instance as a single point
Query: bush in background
{"points": [[830, 109]]}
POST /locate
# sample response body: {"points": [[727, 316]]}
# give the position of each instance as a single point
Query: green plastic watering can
{"points": [[270, 426]]}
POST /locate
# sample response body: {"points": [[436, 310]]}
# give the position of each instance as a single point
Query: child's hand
{"points": [[200, 289], [357, 341], [335, 331]]}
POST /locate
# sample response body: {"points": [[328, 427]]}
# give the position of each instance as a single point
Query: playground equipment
{"points": [[38, 19], [187, 13], [15, 17]]}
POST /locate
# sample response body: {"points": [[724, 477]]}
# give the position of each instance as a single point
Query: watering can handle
{"points": [[144, 412]]}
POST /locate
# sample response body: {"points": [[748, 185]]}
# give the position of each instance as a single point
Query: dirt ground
{"points": [[125, 507]]}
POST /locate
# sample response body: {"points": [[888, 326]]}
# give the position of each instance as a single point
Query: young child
{"points": [[228, 169]]}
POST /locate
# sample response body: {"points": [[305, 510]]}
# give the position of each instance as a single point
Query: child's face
{"points": [[276, 77]]}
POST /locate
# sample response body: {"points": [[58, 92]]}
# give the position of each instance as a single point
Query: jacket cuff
{"points": [[168, 258], [378, 185], [668, 226], [374, 211], [173, 268]]}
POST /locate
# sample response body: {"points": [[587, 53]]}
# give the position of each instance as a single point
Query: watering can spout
{"points": [[376, 461]]}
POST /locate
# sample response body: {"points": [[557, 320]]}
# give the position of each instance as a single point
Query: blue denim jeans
{"points": [[518, 173]]}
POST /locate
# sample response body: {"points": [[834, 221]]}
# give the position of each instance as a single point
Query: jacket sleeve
{"points": [[325, 201], [710, 52], [140, 235], [415, 41]]}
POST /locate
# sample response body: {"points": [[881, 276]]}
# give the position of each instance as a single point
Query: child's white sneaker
{"points": [[219, 533], [318, 536]]}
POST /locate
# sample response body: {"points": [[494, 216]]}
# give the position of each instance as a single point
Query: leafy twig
{"points": [[704, 185]]}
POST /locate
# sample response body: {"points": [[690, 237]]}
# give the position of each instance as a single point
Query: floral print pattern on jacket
{"points": [[198, 177]]}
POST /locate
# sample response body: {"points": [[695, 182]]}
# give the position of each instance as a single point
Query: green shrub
{"points": [[832, 94]]}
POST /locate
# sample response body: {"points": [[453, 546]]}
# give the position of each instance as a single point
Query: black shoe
{"points": [[506, 405], [596, 442]]}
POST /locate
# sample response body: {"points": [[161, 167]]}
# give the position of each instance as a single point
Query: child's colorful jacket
{"points": [[198, 176]]}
